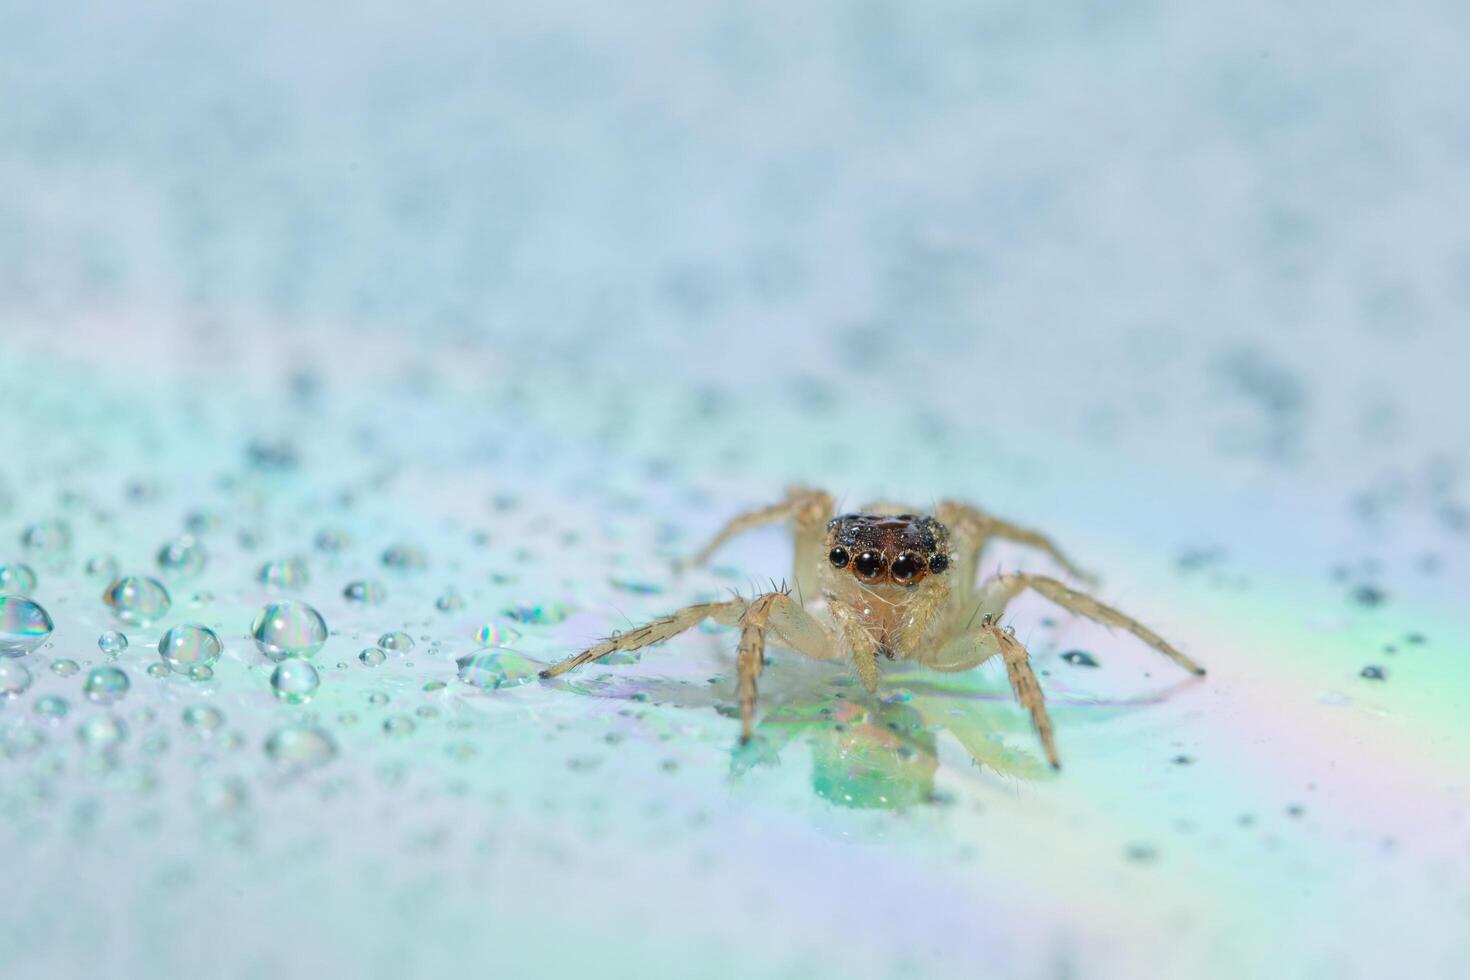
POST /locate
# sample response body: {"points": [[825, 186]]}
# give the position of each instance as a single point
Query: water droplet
{"points": [[496, 635], [545, 615], [50, 540], [102, 567], [405, 558], [222, 797], [102, 732], [64, 667], [1369, 596], [395, 642], [17, 579], [201, 672], [1373, 673], [182, 557], [1080, 658], [15, 678], [378, 698], [637, 587], [490, 669], [332, 540], [112, 643], [289, 629], [398, 725], [434, 687], [136, 600], [288, 573], [372, 656], [300, 749], [105, 685], [365, 591], [188, 645], [450, 601], [158, 670], [203, 717], [24, 625], [52, 706], [295, 681]]}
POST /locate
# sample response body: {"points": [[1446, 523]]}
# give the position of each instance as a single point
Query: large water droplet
{"points": [[137, 600], [490, 669], [289, 629], [17, 579], [189, 645], [295, 681], [105, 685], [299, 749], [15, 678], [24, 625]]}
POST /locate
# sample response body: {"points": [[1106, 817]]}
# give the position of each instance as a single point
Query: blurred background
{"points": [[488, 313]]}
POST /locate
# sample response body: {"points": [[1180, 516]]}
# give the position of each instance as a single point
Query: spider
{"points": [[885, 584]]}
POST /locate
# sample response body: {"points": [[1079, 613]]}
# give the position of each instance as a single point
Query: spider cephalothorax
{"points": [[901, 548], [884, 584]]}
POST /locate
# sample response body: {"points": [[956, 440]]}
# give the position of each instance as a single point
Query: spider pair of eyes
{"points": [[871, 564]]}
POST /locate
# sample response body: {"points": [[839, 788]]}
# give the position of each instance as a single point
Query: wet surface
{"points": [[341, 403]]}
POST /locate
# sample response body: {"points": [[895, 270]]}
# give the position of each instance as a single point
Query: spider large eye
{"points": [[869, 564], [938, 563], [905, 567], [838, 557]]}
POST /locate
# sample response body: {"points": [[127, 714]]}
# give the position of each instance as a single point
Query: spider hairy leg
{"points": [[999, 591], [979, 527], [652, 632]]}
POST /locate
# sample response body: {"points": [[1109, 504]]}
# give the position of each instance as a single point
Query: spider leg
{"points": [[973, 647], [974, 528], [808, 510], [652, 632], [997, 593]]}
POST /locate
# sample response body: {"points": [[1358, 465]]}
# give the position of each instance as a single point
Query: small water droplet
{"points": [[372, 657], [201, 672], [285, 574], [24, 625], [182, 557], [136, 600], [102, 567], [15, 678], [289, 629], [49, 540], [299, 749], [549, 614], [398, 725], [490, 669], [112, 643], [405, 558], [189, 645], [52, 706], [332, 540], [105, 685], [64, 667], [17, 579], [395, 642], [378, 698], [158, 670], [102, 732], [637, 587], [295, 681], [1373, 673], [450, 601], [203, 717], [1369, 596], [496, 635], [1080, 658], [366, 592]]}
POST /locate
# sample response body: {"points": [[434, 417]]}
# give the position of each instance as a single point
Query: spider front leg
{"points": [[972, 529], [770, 612], [659, 629], [997, 593], [973, 647]]}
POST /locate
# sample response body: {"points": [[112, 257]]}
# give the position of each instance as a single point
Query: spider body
{"points": [[886, 583]]}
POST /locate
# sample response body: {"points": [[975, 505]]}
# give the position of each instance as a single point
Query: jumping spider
{"points": [[885, 583]]}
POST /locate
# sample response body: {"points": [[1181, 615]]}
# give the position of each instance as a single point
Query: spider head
{"points": [[887, 551]]}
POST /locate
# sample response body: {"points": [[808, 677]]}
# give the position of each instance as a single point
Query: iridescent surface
{"points": [[487, 315]]}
